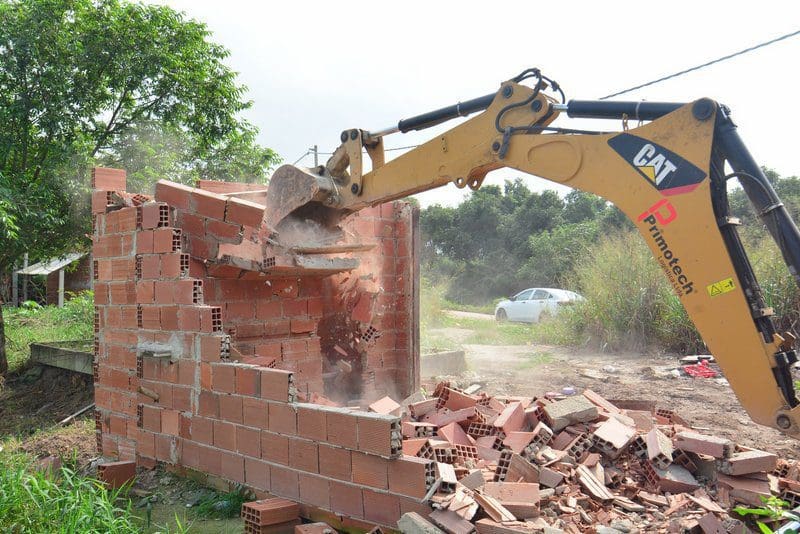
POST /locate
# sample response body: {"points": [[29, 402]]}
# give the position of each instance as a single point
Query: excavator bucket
{"points": [[289, 188], [296, 198]]}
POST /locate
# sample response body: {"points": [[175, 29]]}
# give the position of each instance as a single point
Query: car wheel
{"points": [[501, 316], [544, 315]]}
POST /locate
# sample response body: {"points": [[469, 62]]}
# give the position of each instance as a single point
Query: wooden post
{"points": [[14, 286], [25, 278]]}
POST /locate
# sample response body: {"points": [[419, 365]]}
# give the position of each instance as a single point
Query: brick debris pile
{"points": [[520, 464]]}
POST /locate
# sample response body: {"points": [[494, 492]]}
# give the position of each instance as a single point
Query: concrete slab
{"points": [[443, 363], [72, 355]]}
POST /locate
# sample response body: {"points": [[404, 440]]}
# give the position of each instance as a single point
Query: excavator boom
{"points": [[667, 175]]}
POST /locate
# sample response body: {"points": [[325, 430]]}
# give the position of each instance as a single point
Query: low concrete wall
{"points": [[443, 363], [72, 355]]}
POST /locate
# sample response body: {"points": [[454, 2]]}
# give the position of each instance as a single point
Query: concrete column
{"points": [[61, 288]]}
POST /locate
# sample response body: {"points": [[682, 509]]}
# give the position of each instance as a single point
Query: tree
{"points": [[537, 212], [80, 80], [580, 206], [152, 151], [8, 231], [553, 253]]}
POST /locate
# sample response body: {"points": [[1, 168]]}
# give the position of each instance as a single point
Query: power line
{"points": [[318, 152], [698, 67], [301, 157], [313, 150]]}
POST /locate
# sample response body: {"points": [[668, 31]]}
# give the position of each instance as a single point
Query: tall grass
{"points": [[37, 502], [630, 305], [32, 323], [780, 290]]}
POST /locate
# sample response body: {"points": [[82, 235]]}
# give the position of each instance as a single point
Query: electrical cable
{"points": [[301, 157], [707, 64], [535, 72]]}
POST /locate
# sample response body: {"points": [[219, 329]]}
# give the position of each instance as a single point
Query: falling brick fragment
{"points": [[385, 406]]}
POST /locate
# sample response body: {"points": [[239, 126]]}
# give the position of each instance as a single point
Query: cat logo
{"points": [[653, 164], [663, 169]]}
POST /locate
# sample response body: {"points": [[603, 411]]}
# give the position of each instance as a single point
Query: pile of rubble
{"points": [[580, 462]]}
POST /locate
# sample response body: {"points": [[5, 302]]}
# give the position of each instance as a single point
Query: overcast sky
{"points": [[316, 68]]}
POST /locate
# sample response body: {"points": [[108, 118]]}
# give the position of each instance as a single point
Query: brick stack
{"points": [[270, 516], [200, 362]]}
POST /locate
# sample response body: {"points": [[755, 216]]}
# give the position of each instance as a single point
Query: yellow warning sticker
{"points": [[723, 286]]}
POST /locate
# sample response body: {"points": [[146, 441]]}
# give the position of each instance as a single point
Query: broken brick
{"points": [[575, 409], [116, 474], [702, 444], [747, 462]]}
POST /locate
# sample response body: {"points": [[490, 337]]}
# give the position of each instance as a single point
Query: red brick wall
{"points": [[201, 365]]}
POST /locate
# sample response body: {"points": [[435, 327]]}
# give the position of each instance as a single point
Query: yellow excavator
{"points": [[667, 175]]}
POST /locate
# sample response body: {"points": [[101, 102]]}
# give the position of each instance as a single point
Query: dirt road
{"points": [[708, 404]]}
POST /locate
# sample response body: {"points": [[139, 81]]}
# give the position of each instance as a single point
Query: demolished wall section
{"points": [[201, 365]]}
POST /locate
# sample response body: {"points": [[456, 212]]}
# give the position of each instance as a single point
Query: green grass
{"points": [[435, 342], [481, 331], [485, 332], [482, 308], [535, 360], [223, 505], [32, 323], [32, 501]]}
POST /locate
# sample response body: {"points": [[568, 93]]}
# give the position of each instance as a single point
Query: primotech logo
{"points": [[664, 169], [657, 217]]}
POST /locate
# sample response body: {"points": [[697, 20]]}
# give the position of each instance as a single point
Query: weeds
{"points": [[773, 510], [31, 501], [222, 505], [32, 323], [37, 502]]}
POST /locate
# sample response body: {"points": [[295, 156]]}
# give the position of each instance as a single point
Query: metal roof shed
{"points": [[50, 266]]}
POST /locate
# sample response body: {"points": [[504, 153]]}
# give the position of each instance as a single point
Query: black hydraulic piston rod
{"points": [[633, 110], [438, 116], [760, 192], [590, 109]]}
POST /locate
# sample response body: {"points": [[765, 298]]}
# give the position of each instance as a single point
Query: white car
{"points": [[532, 304]]}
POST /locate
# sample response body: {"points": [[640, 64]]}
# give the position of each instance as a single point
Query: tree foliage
{"points": [[108, 81], [117, 82], [503, 239]]}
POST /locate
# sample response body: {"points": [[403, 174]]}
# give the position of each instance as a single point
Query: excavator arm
{"points": [[667, 175]]}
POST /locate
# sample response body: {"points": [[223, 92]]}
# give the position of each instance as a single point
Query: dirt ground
{"points": [[33, 403], [708, 404]]}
